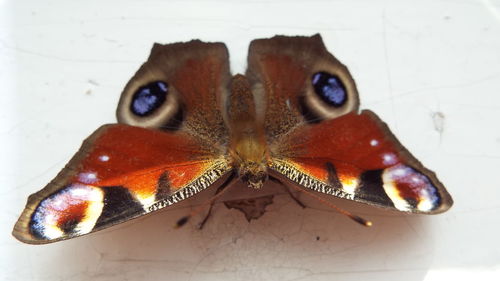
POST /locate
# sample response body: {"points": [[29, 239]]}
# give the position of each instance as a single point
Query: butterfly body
{"points": [[186, 124], [248, 147]]}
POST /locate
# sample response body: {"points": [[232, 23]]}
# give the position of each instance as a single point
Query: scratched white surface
{"points": [[430, 69]]}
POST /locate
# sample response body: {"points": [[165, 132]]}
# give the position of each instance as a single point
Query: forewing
{"points": [[120, 172], [356, 157]]}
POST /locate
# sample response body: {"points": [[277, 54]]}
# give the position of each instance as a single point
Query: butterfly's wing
{"points": [[324, 143], [356, 157], [182, 86], [122, 171]]}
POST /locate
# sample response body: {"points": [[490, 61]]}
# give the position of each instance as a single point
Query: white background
{"points": [[430, 69]]}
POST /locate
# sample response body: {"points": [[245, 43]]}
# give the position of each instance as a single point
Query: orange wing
{"points": [[356, 157], [120, 172]]}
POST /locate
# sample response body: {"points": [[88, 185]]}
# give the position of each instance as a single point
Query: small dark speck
{"points": [[438, 119], [446, 17], [93, 82], [317, 238]]}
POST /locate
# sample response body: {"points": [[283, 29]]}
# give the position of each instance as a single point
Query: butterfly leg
{"points": [[226, 183], [297, 200], [209, 213]]}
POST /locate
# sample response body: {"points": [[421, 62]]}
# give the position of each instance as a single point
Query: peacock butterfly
{"points": [[185, 124]]}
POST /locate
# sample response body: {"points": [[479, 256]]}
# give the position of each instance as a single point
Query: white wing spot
{"points": [[389, 159], [88, 177], [104, 158]]}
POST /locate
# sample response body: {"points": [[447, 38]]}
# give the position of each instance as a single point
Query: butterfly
{"points": [[186, 124]]}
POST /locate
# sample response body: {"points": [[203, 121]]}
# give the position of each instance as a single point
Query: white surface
{"points": [[431, 69]]}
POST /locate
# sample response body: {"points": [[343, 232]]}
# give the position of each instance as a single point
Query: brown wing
{"points": [[180, 86], [280, 70]]}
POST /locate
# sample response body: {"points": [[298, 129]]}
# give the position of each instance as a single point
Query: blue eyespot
{"points": [[148, 98], [329, 88]]}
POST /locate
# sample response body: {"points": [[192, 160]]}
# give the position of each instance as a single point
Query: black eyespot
{"points": [[148, 98], [329, 88]]}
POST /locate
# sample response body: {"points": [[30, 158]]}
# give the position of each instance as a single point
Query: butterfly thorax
{"points": [[248, 147], [249, 155]]}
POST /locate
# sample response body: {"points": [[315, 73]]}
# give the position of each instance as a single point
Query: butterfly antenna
{"points": [[353, 217], [225, 186]]}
